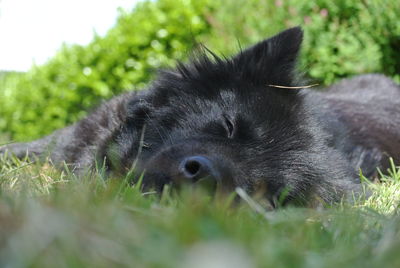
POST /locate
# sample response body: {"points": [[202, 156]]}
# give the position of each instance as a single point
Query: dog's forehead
{"points": [[221, 99], [226, 96]]}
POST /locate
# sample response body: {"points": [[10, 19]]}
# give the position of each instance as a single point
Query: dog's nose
{"points": [[195, 168]]}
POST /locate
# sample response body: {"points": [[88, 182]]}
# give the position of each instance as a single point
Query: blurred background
{"points": [[60, 58]]}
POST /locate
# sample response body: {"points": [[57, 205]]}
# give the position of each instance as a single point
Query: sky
{"points": [[31, 31]]}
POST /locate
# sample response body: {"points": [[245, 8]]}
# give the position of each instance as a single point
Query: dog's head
{"points": [[225, 122]]}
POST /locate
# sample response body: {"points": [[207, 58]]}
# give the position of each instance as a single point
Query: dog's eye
{"points": [[229, 126], [146, 145]]}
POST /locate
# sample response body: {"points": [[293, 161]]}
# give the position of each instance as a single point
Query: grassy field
{"points": [[50, 218]]}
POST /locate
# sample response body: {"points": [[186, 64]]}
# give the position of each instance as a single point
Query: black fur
{"points": [[222, 119]]}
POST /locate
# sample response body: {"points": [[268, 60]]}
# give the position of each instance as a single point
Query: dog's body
{"points": [[363, 115], [225, 120]]}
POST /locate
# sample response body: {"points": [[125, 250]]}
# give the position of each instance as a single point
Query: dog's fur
{"points": [[245, 131]]}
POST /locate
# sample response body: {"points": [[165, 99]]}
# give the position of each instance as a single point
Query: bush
{"points": [[342, 38]]}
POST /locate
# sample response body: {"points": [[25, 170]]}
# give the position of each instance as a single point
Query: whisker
{"points": [[296, 87]]}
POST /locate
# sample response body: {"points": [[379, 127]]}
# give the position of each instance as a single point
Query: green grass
{"points": [[50, 218]]}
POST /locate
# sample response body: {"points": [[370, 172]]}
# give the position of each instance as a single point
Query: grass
{"points": [[50, 218]]}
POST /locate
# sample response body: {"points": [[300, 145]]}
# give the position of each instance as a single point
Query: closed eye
{"points": [[229, 127], [146, 145]]}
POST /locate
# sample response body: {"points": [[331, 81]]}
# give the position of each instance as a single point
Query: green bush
{"points": [[342, 38]]}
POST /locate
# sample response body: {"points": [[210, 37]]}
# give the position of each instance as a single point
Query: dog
{"points": [[246, 121]]}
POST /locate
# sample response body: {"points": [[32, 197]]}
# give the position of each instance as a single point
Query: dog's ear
{"points": [[271, 61]]}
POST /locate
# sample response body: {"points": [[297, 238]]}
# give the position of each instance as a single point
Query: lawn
{"points": [[50, 218]]}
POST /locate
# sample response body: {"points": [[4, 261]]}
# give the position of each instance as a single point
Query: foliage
{"points": [[342, 38]]}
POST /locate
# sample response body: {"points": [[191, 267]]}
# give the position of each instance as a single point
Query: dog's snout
{"points": [[196, 167], [203, 171]]}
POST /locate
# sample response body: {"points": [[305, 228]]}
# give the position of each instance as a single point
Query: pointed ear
{"points": [[271, 61]]}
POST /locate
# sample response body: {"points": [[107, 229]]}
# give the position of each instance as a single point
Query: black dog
{"points": [[227, 122]]}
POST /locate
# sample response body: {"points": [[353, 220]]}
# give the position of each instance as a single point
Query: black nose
{"points": [[195, 168]]}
